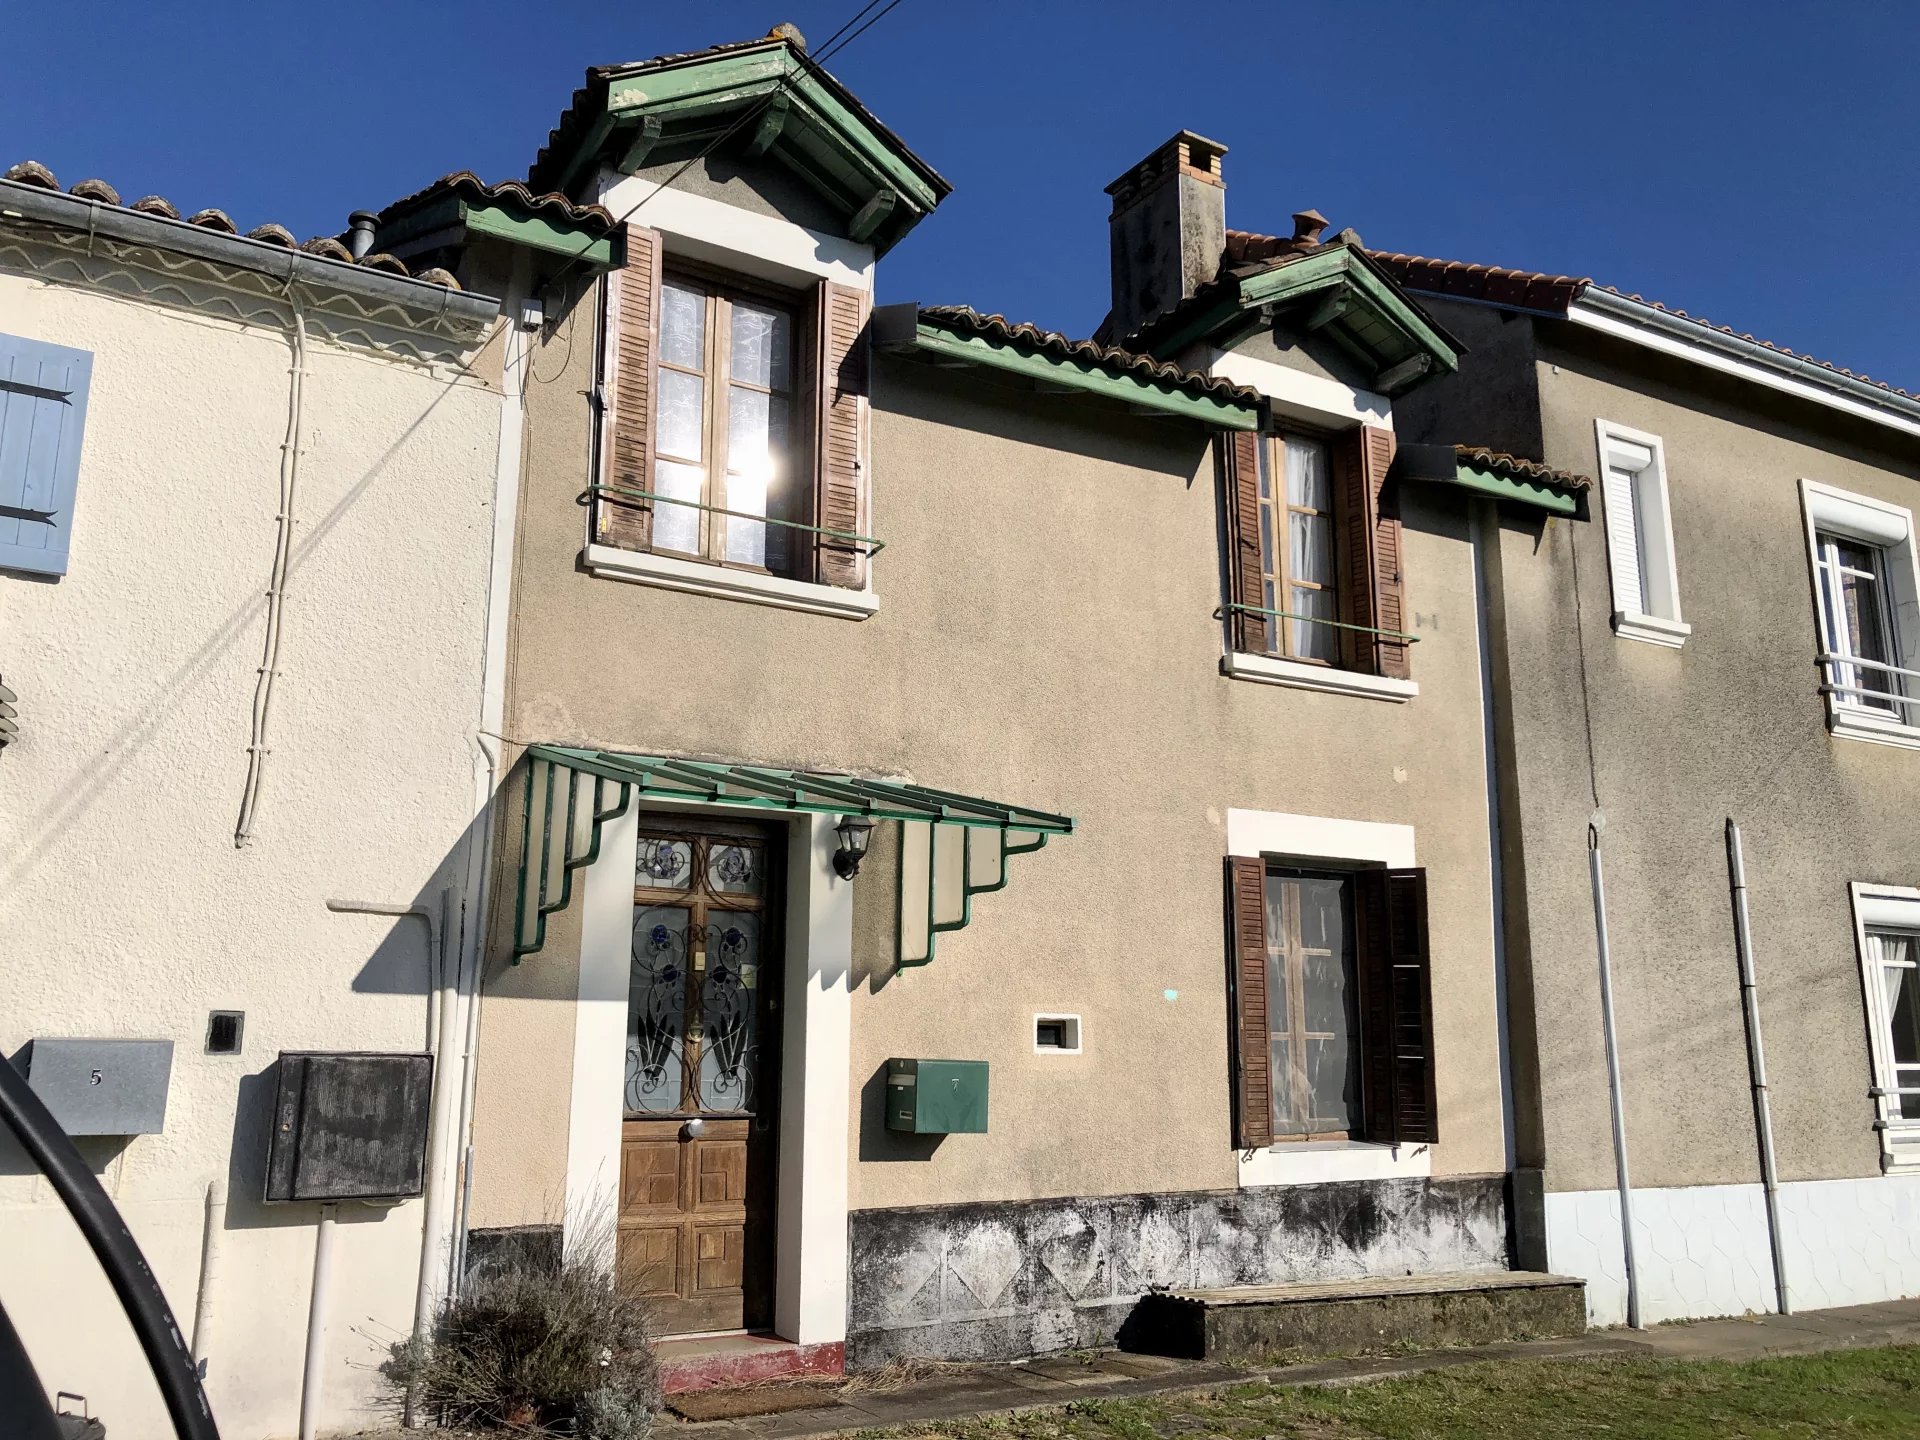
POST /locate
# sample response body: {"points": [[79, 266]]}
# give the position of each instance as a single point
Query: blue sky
{"points": [[1747, 162]]}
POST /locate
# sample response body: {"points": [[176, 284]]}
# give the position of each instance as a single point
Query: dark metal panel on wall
{"points": [[1001, 1280]]}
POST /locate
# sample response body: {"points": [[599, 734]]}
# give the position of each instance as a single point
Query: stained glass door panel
{"points": [[699, 1143]]}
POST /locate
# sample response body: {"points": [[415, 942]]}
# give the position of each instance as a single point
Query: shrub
{"points": [[537, 1339]]}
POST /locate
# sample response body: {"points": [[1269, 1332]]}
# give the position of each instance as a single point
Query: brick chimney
{"points": [[1168, 229]]}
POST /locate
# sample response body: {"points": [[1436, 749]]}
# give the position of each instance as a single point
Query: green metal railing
{"points": [[1235, 608], [874, 547]]}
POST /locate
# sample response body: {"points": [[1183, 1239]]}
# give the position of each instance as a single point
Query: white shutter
{"points": [[1620, 493]]}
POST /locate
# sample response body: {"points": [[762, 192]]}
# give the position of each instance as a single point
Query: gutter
{"points": [[424, 301], [1662, 330]]}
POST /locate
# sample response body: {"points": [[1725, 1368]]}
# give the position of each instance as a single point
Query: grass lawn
{"points": [[1849, 1392]]}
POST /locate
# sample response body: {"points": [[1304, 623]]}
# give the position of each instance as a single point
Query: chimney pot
{"points": [[360, 229], [1308, 226], [1168, 229]]}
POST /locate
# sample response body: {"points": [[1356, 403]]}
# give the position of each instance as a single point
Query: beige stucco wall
{"points": [[1045, 636], [126, 909], [1730, 724]]}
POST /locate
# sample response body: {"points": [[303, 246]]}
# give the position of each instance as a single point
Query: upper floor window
{"points": [[1640, 559], [1315, 564], [1867, 607], [733, 434]]}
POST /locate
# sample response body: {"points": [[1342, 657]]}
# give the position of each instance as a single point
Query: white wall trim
{"points": [[1888, 907], [597, 1105], [810, 1279], [1327, 1162], [1639, 529], [1073, 1032], [1254, 833], [1298, 395], [1702, 352], [1329, 680], [702, 228], [699, 577]]}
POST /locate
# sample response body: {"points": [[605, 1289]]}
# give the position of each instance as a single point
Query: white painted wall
{"points": [[1702, 1250], [125, 908]]}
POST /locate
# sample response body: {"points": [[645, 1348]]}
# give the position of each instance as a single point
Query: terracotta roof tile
{"points": [[32, 172], [1519, 468], [468, 186], [1051, 342]]}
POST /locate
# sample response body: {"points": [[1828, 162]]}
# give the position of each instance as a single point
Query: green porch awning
{"points": [[955, 845]]}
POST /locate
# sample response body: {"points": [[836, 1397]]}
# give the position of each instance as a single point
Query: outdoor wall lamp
{"points": [[854, 832]]}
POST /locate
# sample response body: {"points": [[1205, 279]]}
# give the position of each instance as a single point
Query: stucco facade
{"points": [[129, 911], [1042, 628], [1669, 743]]}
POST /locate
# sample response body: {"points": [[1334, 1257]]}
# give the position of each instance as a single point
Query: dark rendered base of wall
{"points": [[998, 1281]]}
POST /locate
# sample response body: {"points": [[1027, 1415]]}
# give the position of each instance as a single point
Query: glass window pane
{"points": [[683, 326], [1323, 916], [1312, 641], [657, 1011], [664, 863], [1905, 1012], [762, 346], [729, 994], [786, 498], [1867, 635], [735, 867], [677, 527], [681, 424], [1307, 481], [1332, 1082], [1311, 549], [1286, 1120], [749, 425]]}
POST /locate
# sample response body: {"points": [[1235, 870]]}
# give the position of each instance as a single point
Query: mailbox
{"points": [[937, 1097], [349, 1126], [102, 1087]]}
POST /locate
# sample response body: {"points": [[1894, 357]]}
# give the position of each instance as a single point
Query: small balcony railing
{"points": [[1845, 682]]}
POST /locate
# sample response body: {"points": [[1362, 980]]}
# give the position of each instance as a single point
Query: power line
{"points": [[835, 50], [826, 45]]}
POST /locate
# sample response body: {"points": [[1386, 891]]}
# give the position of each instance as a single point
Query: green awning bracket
{"points": [[553, 875], [561, 830]]}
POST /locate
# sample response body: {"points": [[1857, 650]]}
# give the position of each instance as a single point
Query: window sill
{"points": [[1325, 1161], [609, 562], [1847, 723], [1268, 670], [1651, 628]]}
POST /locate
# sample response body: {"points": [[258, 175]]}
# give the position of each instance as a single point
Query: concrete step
{"points": [[1274, 1324], [717, 1362]]}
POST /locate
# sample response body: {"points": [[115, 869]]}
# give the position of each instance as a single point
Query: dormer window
{"points": [[732, 434]]}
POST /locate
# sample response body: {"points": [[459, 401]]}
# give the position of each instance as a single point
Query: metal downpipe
{"points": [[1756, 1059], [1614, 1092]]}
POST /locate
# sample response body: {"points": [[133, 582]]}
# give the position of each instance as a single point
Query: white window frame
{"points": [[1885, 907], [1888, 529], [1639, 529]]}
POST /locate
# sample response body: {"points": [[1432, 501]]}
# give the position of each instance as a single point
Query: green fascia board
{"points": [[539, 233], [1080, 375], [1377, 326], [1550, 498], [501, 222], [703, 88]]}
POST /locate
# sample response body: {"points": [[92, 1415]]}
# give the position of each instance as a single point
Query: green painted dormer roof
{"points": [[771, 102]]}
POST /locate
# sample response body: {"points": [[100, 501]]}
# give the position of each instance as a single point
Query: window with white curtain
{"points": [[1887, 927], [1867, 612], [1639, 529]]}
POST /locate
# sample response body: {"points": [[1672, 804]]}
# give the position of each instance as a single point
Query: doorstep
{"points": [[709, 1362]]}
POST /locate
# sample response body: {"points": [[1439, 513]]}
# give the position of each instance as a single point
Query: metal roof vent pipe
{"points": [[360, 228]]}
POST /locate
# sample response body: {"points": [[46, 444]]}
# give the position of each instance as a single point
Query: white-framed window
{"points": [[1886, 920], [1867, 613], [1633, 489]]}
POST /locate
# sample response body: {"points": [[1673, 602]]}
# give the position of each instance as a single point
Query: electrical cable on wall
{"points": [[276, 580]]}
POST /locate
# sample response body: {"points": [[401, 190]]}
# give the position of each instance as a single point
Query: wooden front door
{"points": [[702, 1077]]}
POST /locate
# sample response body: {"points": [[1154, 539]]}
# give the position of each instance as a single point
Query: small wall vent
{"points": [[225, 1029]]}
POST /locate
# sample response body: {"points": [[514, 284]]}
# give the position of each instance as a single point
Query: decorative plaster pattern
{"points": [[992, 1281]]}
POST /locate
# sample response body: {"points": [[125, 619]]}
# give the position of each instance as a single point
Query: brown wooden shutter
{"points": [[1396, 1006], [1240, 454], [1252, 1048], [1368, 560], [840, 499], [630, 333]]}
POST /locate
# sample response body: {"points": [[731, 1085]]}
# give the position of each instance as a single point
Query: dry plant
{"points": [[543, 1339]]}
